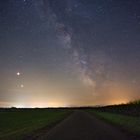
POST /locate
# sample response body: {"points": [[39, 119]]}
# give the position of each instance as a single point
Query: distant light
{"points": [[18, 73], [22, 86]]}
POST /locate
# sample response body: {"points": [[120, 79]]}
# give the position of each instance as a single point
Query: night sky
{"points": [[69, 52]]}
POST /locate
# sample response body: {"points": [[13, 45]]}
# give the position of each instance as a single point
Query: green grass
{"points": [[128, 123], [14, 125]]}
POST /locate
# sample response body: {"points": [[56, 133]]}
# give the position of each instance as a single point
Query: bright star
{"points": [[18, 73], [22, 86]]}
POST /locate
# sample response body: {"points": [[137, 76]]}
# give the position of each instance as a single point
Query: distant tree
{"points": [[13, 107]]}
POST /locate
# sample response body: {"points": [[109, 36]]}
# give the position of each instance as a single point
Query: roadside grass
{"points": [[128, 123], [15, 125]]}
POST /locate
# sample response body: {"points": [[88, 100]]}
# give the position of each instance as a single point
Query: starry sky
{"points": [[69, 52]]}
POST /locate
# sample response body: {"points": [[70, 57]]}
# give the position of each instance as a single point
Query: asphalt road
{"points": [[83, 126]]}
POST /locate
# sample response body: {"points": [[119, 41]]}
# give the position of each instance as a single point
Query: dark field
{"points": [[125, 116], [15, 124], [24, 124]]}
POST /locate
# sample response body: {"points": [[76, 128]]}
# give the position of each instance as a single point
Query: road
{"points": [[83, 126]]}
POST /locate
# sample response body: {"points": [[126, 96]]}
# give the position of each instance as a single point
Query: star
{"points": [[18, 73], [22, 86]]}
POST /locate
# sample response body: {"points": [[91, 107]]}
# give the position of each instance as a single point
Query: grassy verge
{"points": [[128, 123], [14, 125]]}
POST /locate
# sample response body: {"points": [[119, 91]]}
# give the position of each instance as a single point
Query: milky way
{"points": [[69, 52]]}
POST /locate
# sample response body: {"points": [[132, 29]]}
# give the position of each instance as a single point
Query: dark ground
{"points": [[83, 126]]}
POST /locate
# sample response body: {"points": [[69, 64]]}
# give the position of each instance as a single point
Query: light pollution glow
{"points": [[69, 53], [65, 95]]}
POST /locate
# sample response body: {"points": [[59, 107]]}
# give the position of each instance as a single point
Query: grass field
{"points": [[17, 123], [126, 116], [126, 122]]}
